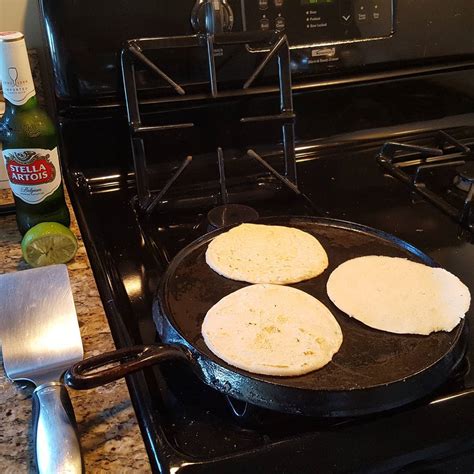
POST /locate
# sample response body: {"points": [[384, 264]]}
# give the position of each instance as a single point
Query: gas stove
{"points": [[183, 417], [203, 126]]}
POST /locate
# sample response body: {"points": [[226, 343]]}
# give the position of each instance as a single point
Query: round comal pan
{"points": [[373, 370]]}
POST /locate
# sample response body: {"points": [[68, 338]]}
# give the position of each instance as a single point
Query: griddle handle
{"points": [[84, 375]]}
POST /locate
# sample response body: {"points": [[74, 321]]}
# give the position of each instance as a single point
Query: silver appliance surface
{"points": [[40, 340], [38, 324]]}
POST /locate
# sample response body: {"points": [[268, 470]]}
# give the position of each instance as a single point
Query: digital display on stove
{"points": [[310, 23]]}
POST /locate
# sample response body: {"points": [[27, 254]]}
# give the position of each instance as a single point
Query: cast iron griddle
{"points": [[373, 370]]}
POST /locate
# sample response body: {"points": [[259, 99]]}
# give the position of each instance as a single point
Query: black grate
{"points": [[422, 168], [136, 49]]}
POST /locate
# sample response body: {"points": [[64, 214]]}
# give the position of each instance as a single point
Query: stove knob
{"points": [[212, 16]]}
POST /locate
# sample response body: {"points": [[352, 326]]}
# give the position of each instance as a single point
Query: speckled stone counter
{"points": [[110, 436]]}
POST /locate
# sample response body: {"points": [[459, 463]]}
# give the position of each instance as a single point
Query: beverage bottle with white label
{"points": [[29, 141]]}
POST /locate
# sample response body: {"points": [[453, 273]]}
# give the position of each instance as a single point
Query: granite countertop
{"points": [[110, 436]]}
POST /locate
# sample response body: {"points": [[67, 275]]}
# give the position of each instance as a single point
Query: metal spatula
{"points": [[40, 340]]}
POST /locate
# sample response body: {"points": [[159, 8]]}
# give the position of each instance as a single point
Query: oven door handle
{"points": [[85, 374]]}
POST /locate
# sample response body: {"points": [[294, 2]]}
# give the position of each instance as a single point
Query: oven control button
{"points": [[345, 11], [264, 24], [375, 12], [263, 4], [361, 14], [280, 23], [278, 3]]}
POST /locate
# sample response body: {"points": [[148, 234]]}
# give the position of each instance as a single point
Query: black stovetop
{"points": [[188, 426]]}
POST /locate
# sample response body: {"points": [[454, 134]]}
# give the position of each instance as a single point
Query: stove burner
{"points": [[230, 214], [420, 167], [465, 177]]}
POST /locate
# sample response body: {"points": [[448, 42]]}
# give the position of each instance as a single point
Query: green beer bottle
{"points": [[29, 141]]}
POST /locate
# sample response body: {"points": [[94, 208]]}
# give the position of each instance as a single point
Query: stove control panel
{"points": [[314, 22]]}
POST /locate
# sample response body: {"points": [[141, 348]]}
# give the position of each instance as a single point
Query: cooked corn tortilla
{"points": [[273, 330], [399, 296], [258, 253]]}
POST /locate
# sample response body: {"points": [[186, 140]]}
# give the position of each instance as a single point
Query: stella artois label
{"points": [[15, 72], [34, 174]]}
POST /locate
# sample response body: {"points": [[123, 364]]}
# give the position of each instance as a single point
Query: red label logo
{"points": [[29, 168]]}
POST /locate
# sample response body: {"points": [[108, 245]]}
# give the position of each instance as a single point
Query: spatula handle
{"points": [[56, 440]]}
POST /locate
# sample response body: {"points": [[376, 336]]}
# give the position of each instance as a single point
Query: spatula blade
{"points": [[38, 324]]}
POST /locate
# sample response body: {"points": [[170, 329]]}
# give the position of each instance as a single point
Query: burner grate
{"points": [[416, 165], [134, 51]]}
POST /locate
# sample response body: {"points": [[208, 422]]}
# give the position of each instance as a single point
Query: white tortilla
{"points": [[273, 330], [398, 295], [258, 253]]}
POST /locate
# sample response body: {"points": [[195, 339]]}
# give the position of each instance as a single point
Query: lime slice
{"points": [[48, 243]]}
